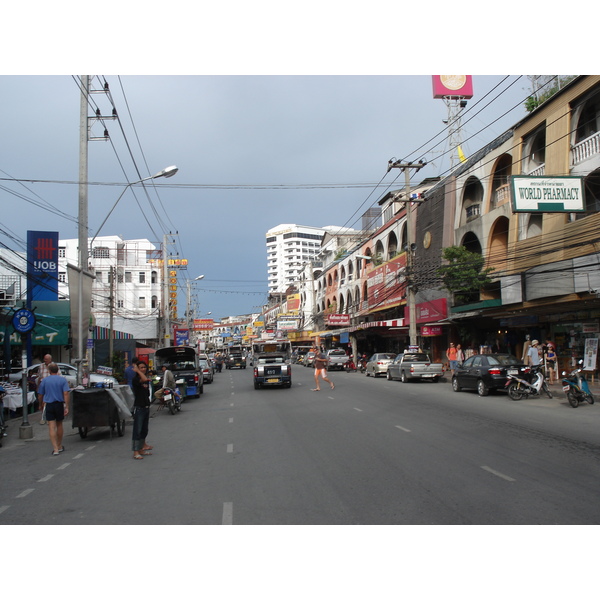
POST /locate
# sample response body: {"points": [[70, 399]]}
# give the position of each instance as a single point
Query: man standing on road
{"points": [[54, 393], [320, 369], [130, 372], [451, 356]]}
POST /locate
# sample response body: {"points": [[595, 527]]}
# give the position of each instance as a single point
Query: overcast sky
{"points": [[277, 149]]}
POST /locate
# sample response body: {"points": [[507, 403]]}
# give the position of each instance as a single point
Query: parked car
{"points": [[208, 372], [336, 358], [271, 369], [68, 371], [486, 372], [414, 365], [309, 359], [378, 363]]}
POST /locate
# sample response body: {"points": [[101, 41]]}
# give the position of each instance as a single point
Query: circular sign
{"points": [[453, 82], [23, 320]]}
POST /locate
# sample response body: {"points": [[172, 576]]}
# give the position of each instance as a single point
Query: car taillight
{"points": [[195, 377], [495, 371], [255, 372]]}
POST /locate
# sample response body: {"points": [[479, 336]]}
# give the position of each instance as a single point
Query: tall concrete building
{"points": [[288, 248]]}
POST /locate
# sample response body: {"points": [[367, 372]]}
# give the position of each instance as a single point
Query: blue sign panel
{"points": [[42, 265]]}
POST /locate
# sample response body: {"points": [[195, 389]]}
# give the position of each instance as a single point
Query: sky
{"points": [[253, 152]]}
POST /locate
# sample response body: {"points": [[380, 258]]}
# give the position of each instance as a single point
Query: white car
{"points": [[69, 371]]}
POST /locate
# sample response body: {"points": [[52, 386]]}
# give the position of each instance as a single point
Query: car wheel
{"points": [[388, 376], [403, 377], [455, 385], [482, 389]]}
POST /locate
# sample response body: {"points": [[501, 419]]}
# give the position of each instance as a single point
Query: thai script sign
{"points": [[339, 320], [387, 283]]}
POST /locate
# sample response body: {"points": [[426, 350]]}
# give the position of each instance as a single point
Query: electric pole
{"points": [[412, 312]]}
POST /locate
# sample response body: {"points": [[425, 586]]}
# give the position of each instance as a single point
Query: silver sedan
{"points": [[378, 364]]}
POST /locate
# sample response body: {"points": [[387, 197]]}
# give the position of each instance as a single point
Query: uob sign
{"points": [[42, 265]]}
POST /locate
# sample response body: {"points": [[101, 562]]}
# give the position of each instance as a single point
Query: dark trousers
{"points": [[141, 418]]}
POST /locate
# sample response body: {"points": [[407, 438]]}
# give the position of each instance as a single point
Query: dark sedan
{"points": [[486, 372]]}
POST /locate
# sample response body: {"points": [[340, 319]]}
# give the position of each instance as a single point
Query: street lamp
{"points": [[189, 299], [167, 172], [84, 254]]}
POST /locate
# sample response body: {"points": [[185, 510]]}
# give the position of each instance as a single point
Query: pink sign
{"points": [[452, 85]]}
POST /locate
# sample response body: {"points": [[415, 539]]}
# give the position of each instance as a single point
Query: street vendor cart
{"points": [[101, 407]]}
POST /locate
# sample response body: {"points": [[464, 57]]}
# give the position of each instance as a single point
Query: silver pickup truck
{"points": [[414, 365], [336, 358]]}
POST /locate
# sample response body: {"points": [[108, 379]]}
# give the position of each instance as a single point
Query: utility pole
{"points": [[412, 312], [111, 301]]}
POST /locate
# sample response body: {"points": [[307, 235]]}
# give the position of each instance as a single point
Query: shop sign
{"points": [[338, 320], [431, 330], [204, 324], [590, 354], [287, 325], [590, 328], [387, 284], [547, 194]]}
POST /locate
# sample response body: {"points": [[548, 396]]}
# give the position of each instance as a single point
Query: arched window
{"points": [[392, 246]]}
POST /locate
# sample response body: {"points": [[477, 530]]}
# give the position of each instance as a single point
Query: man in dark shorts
{"points": [[54, 395]]}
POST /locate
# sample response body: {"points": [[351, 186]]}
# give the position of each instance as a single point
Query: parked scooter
{"points": [[172, 400], [362, 363], [349, 365], [576, 387], [519, 388]]}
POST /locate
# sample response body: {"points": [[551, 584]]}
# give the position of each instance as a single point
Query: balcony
{"points": [[501, 195], [538, 171], [585, 149]]}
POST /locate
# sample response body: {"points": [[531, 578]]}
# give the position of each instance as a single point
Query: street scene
{"points": [[276, 305]]}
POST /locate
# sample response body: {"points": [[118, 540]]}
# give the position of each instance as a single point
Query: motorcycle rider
{"points": [[167, 382]]}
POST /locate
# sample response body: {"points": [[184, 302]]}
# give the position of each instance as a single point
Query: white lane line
{"points": [[403, 428], [229, 448], [497, 473], [90, 448], [3, 508], [47, 478], [358, 409], [78, 456], [227, 513], [231, 420], [63, 466], [231, 404], [24, 493]]}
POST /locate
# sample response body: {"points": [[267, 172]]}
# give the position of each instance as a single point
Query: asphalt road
{"points": [[371, 451]]}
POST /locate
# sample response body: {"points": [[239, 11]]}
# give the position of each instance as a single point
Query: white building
{"points": [[288, 248], [135, 270]]}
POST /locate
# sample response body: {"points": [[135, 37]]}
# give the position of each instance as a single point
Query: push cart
{"points": [[101, 407]]}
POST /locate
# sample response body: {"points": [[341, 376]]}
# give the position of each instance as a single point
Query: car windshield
{"points": [[337, 353], [269, 360], [387, 357], [416, 357]]}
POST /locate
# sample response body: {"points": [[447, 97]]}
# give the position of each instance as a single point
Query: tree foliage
{"points": [[464, 274]]}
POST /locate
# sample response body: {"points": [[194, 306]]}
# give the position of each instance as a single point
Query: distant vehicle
{"points": [[336, 359], [378, 363], [309, 359], [183, 363], [299, 353], [414, 365], [68, 371], [487, 372], [235, 360], [208, 372], [271, 369]]}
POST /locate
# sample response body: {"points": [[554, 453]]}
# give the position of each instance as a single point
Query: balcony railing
{"points": [[585, 149], [501, 195], [539, 171]]}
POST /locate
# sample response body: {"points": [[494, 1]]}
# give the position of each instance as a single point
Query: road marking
{"points": [[231, 419], [90, 448], [63, 466], [403, 429], [229, 448], [78, 456], [25, 493], [46, 478], [227, 513], [3, 508], [498, 474], [231, 404], [358, 409]]}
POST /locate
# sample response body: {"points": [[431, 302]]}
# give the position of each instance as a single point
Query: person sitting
{"points": [[168, 382]]}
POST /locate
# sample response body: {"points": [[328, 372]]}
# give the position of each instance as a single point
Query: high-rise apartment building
{"points": [[288, 248]]}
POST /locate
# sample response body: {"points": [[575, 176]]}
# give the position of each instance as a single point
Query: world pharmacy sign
{"points": [[547, 194]]}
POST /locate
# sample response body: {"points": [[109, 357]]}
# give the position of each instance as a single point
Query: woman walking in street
{"points": [[321, 369], [141, 411]]}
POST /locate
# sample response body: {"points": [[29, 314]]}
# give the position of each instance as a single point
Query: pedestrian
{"points": [[533, 354], [526, 346], [460, 355], [54, 394], [451, 356], [550, 356], [320, 361], [41, 374], [141, 411], [130, 372]]}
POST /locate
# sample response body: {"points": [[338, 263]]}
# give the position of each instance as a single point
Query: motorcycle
{"points": [[362, 364], [172, 400], [349, 366], [576, 387], [519, 388]]}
